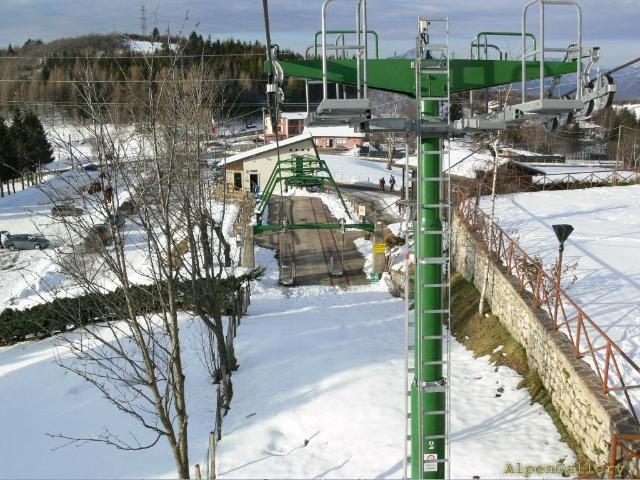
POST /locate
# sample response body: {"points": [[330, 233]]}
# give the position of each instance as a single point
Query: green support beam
{"points": [[398, 75], [367, 227]]}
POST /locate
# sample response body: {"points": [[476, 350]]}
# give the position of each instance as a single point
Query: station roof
{"points": [[344, 131], [265, 149]]}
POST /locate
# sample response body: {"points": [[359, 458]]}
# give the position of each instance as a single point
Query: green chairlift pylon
{"points": [[432, 83]]}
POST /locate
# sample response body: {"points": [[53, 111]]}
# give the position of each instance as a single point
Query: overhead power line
{"points": [[141, 56], [213, 80], [80, 104]]}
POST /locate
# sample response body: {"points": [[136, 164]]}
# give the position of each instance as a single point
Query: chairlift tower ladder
{"points": [[427, 358]]}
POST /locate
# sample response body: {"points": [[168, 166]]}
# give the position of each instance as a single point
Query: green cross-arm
{"points": [[397, 75]]}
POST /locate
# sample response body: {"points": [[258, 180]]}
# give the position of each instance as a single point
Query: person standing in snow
{"points": [[392, 183], [381, 182]]}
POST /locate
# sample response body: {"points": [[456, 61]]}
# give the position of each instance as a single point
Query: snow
{"points": [[354, 170], [321, 364], [556, 169], [466, 158], [632, 107], [604, 247], [66, 404], [32, 277], [334, 132], [147, 47], [265, 148], [26, 275], [294, 115], [325, 365], [70, 144]]}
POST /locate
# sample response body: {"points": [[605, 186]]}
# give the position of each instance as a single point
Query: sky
{"points": [[611, 24]]}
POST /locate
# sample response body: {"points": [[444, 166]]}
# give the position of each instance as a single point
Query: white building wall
{"points": [[264, 163]]}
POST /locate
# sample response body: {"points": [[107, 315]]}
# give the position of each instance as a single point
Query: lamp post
{"points": [[562, 233]]}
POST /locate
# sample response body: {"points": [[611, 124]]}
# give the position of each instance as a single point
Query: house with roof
{"points": [[291, 125], [248, 170], [339, 138]]}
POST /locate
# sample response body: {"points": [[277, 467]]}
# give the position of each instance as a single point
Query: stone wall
{"points": [[590, 416]]}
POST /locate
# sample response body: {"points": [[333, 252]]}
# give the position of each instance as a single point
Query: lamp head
{"points": [[562, 232]]}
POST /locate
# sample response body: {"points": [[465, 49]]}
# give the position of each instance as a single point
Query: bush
{"points": [[67, 313]]}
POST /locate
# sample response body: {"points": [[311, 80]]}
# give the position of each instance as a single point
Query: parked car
{"points": [[25, 241], [66, 210], [127, 208]]}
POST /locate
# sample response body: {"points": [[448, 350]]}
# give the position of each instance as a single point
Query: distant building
{"points": [[247, 169], [291, 125], [338, 138]]}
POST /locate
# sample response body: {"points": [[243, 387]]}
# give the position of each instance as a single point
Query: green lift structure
{"points": [[302, 171], [431, 77]]}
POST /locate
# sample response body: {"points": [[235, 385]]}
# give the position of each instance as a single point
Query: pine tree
{"points": [[7, 156], [18, 135], [32, 149], [40, 152]]}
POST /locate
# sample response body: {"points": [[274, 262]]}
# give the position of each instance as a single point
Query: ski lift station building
{"points": [[254, 167]]}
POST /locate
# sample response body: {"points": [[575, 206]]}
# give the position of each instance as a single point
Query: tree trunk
{"points": [[485, 280], [225, 365], [391, 144]]}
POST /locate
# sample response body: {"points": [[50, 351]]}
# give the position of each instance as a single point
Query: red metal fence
{"points": [[573, 180], [624, 449], [612, 366]]}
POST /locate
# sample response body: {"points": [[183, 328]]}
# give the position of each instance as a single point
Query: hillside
{"points": [[45, 73]]}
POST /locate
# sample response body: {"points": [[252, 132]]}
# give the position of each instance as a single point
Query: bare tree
{"points": [[391, 105], [171, 247]]}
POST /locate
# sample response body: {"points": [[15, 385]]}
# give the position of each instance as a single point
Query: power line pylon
{"points": [[143, 20]]}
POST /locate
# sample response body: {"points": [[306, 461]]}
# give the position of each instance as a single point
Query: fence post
{"points": [[537, 290], [577, 347], [605, 380], [613, 454], [212, 456]]}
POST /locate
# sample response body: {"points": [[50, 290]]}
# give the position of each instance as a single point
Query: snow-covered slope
{"points": [[350, 169], [39, 398], [604, 247], [317, 364], [323, 366]]}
